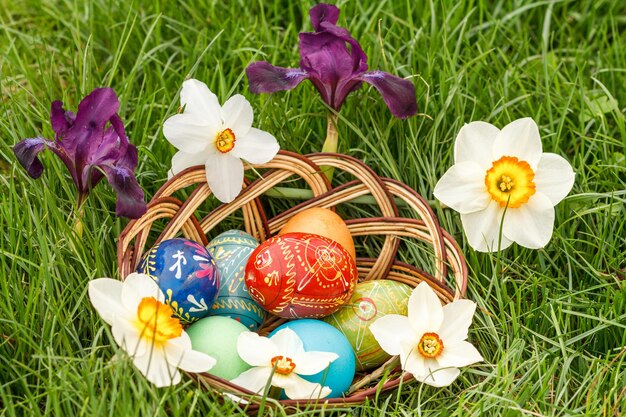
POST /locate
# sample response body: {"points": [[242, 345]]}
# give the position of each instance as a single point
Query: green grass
{"points": [[552, 325]]}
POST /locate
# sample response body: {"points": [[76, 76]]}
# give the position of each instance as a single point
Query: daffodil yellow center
{"points": [[283, 365], [155, 321], [510, 181], [225, 141], [430, 345]]}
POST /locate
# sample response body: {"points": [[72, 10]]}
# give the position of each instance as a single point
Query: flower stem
{"points": [[78, 220], [331, 142]]}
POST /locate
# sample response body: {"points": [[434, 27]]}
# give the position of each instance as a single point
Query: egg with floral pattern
{"points": [[301, 275], [187, 275], [370, 301], [231, 251]]}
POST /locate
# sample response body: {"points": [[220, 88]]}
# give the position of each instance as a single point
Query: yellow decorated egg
{"points": [[323, 222], [370, 301]]}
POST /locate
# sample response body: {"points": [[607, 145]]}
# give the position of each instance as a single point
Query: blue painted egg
{"points": [[231, 251], [187, 275], [319, 336]]}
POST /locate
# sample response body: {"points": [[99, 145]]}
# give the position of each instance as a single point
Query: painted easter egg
{"points": [[217, 337], [299, 275], [370, 301], [322, 337], [231, 251], [323, 222], [187, 275]]}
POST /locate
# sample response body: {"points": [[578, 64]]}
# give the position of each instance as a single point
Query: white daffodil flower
{"points": [[283, 358], [503, 169], [217, 137], [142, 324], [431, 341]]}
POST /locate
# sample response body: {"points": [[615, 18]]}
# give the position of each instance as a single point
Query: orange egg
{"points": [[323, 222]]}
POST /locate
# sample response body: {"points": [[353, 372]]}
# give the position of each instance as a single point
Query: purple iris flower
{"points": [[92, 144], [336, 65]]}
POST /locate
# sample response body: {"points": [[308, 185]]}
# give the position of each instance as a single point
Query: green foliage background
{"points": [[552, 323]]}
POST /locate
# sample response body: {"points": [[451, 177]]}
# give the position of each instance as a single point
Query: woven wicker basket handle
{"points": [[382, 189], [182, 215]]}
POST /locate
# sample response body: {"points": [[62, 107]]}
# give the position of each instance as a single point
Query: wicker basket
{"points": [[448, 263]]}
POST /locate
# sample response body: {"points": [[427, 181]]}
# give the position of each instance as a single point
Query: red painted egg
{"points": [[298, 275]]}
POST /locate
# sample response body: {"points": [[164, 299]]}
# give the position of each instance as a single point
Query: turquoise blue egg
{"points": [[320, 336], [231, 251], [187, 275]]}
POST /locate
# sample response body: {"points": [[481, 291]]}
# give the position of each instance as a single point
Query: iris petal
{"points": [[323, 13], [329, 63], [266, 78], [130, 199], [26, 152], [398, 93], [60, 119], [86, 134]]}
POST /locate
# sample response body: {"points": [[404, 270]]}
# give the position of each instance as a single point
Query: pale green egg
{"points": [[217, 337]]}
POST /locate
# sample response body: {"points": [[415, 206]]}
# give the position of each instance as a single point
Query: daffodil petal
{"points": [[531, 224], [187, 359], [458, 354], [288, 342], [257, 147], [183, 160], [554, 177], [254, 379], [312, 362], [521, 139], [389, 331], [438, 377], [457, 318], [237, 115], [199, 101], [183, 342], [188, 133], [155, 368], [462, 188], [137, 287], [297, 388], [474, 143], [256, 350], [129, 337], [482, 228], [105, 295], [224, 173], [425, 311], [411, 361]]}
